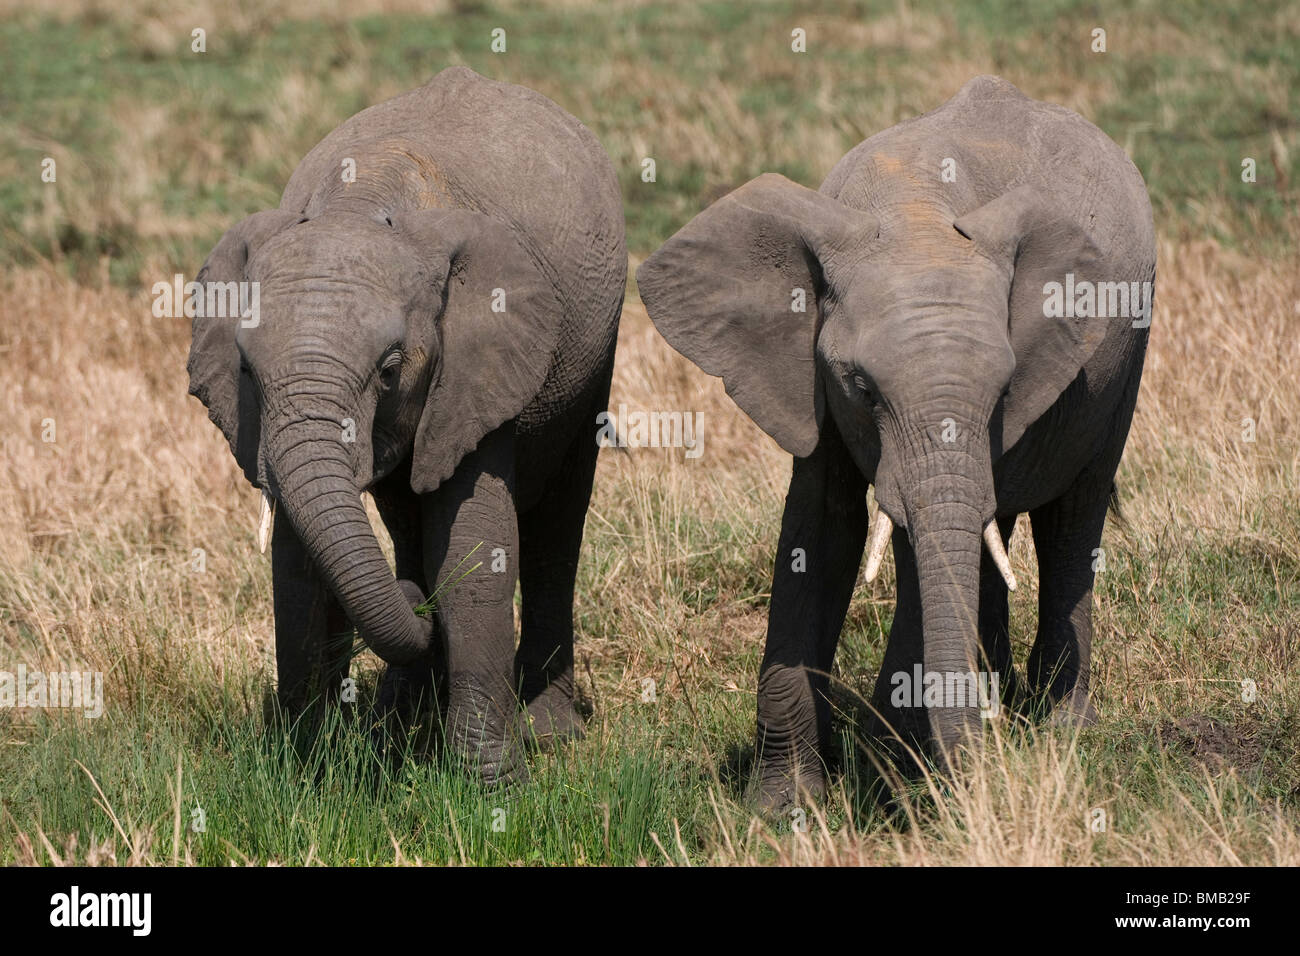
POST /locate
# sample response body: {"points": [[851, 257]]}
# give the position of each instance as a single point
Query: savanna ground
{"points": [[159, 149]]}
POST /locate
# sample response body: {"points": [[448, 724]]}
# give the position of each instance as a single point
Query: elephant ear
{"points": [[214, 359], [499, 329], [1039, 243], [723, 292]]}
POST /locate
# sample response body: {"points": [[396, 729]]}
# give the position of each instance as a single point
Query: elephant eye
{"points": [[391, 370], [860, 383]]}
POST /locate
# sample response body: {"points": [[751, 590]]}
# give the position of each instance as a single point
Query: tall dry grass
{"points": [[1021, 803]]}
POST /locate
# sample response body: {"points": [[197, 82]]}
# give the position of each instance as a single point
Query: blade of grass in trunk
{"points": [[430, 604]]}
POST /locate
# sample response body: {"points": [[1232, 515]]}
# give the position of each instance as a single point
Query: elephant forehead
{"points": [[332, 251], [349, 279], [922, 279], [342, 317], [341, 301], [912, 215]]}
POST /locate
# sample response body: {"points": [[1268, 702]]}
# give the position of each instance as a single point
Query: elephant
{"points": [[438, 296], [905, 329]]}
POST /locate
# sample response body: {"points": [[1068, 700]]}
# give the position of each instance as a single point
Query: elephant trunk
{"points": [[946, 539], [319, 495], [945, 494]]}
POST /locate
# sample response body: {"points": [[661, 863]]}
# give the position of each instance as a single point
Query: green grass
{"points": [[255, 797]]}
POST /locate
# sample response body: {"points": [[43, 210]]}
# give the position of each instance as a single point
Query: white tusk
{"points": [[879, 541], [993, 541], [264, 522]]}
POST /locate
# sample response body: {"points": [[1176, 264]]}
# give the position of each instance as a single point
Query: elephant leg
{"points": [[313, 637], [995, 628], [823, 533], [1067, 531], [407, 692], [550, 538], [400, 509], [470, 523], [899, 721]]}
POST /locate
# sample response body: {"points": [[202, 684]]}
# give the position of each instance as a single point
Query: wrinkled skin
{"points": [[925, 366], [440, 331]]}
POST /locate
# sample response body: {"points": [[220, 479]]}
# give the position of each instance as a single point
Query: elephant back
{"points": [[990, 139]]}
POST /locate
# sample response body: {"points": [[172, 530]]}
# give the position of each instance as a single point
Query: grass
{"points": [[127, 544], [242, 790]]}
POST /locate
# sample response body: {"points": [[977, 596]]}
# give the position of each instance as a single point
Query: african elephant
{"points": [[439, 297], [906, 327]]}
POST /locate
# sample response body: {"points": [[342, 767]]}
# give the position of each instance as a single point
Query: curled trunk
{"points": [[319, 495]]}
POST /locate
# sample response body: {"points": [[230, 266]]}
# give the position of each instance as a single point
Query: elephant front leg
{"points": [[823, 533], [472, 559], [409, 696], [313, 637], [1067, 534]]}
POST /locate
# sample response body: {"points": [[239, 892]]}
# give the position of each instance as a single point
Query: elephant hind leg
{"points": [[899, 726], [550, 539], [410, 697], [1067, 539], [995, 627]]}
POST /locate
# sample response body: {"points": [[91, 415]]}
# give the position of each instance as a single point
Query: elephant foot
{"points": [[779, 793], [1075, 711], [477, 730], [897, 727], [405, 714], [790, 772], [551, 719], [405, 690], [897, 737], [1062, 702], [497, 763]]}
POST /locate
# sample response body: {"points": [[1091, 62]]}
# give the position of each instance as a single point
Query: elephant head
{"points": [[380, 337], [922, 334]]}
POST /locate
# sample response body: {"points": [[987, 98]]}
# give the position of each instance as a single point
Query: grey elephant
{"points": [[941, 320], [438, 301]]}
